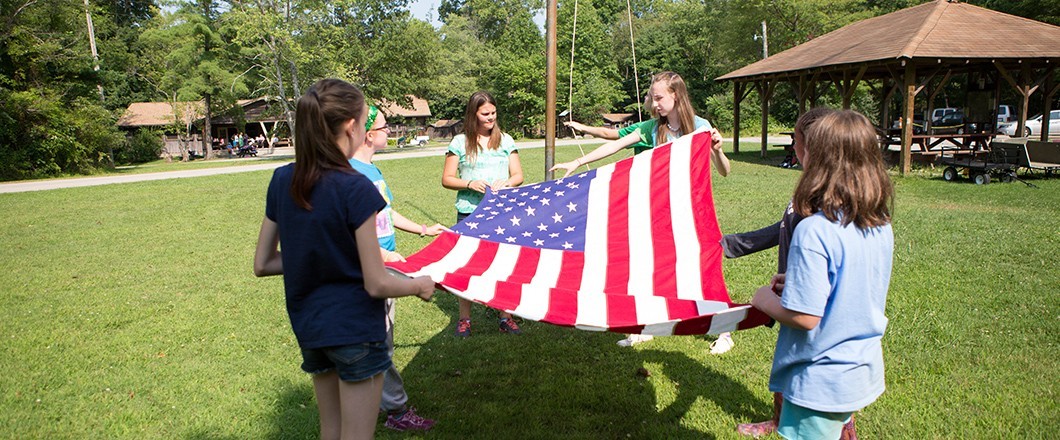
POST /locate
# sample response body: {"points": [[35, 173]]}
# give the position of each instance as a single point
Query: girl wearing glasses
{"points": [[400, 416]]}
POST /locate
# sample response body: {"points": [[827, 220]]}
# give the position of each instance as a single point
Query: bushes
{"points": [[42, 136], [140, 146]]}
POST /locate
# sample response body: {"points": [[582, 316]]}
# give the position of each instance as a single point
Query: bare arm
{"points": [[768, 301], [267, 259], [377, 281], [717, 154], [515, 170], [451, 181], [600, 132], [599, 153]]}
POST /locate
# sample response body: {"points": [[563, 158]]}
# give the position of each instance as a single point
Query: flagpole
{"points": [[550, 89]]}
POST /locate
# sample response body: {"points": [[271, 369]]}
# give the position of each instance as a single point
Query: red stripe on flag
{"points": [[664, 276], [526, 266], [681, 308], [563, 299], [506, 296], [509, 293], [617, 274], [478, 263], [621, 311], [428, 255], [712, 280]]}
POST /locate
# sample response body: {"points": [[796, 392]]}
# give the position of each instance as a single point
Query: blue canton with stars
{"points": [[549, 215]]}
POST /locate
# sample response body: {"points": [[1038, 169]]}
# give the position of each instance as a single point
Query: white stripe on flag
{"points": [[710, 307], [660, 329], [458, 257], [594, 270], [686, 238], [641, 257], [650, 309], [728, 320], [592, 309], [534, 303], [483, 287], [535, 295]]}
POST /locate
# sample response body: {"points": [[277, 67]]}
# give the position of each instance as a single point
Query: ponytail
{"points": [[319, 117]]}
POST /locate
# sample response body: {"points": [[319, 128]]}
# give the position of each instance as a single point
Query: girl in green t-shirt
{"points": [[673, 118], [482, 157]]}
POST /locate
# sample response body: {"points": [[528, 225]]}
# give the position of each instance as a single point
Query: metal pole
{"points": [[765, 41], [550, 89]]}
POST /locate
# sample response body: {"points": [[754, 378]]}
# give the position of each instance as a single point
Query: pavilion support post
{"points": [[800, 93], [737, 97], [765, 92], [1047, 101], [888, 89], [1025, 99], [847, 86], [1026, 88], [932, 92], [907, 116]]}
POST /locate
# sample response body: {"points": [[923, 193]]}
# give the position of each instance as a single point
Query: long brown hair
{"points": [[319, 117], [844, 177], [676, 85], [471, 146]]}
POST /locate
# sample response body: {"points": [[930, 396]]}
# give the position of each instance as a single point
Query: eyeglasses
{"points": [[385, 128]]}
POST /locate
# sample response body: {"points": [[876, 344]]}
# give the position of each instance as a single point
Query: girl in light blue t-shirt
{"points": [[482, 157], [828, 361]]}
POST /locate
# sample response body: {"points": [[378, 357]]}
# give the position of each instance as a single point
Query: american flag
{"points": [[632, 247]]}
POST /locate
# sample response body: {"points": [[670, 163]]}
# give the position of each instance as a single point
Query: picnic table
{"points": [[971, 142]]}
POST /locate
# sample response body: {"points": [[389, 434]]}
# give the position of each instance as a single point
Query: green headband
{"points": [[373, 112]]}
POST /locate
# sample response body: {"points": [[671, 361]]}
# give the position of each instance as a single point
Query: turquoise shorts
{"points": [[798, 423]]}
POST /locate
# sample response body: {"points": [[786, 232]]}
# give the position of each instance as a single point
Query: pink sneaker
{"points": [[757, 430], [408, 421]]}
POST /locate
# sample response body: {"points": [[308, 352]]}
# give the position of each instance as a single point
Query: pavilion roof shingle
{"points": [[938, 29]]}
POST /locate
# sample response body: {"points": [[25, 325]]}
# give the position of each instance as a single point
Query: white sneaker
{"points": [[722, 344], [632, 340]]}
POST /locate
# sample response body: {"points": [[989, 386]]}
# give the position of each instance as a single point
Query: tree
{"points": [[199, 58], [51, 119], [595, 75]]}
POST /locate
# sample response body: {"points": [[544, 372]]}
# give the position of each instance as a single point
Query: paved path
{"points": [[41, 185]]}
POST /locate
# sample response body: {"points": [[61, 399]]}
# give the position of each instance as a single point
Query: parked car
{"points": [[1034, 126], [952, 123], [940, 112], [1005, 113]]}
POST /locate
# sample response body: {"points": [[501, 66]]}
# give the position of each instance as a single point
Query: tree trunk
{"points": [[207, 146]]}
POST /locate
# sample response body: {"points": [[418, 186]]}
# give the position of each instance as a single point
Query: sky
{"points": [[427, 10]]}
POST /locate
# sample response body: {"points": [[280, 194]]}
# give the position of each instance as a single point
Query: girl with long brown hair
{"points": [[480, 158], [323, 214], [828, 361]]}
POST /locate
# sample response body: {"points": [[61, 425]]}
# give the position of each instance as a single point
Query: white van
{"points": [[938, 113], [1005, 113]]}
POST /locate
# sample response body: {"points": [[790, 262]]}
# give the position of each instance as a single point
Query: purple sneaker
{"points": [[508, 325], [408, 421], [463, 328]]}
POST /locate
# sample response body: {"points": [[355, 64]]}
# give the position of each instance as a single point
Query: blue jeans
{"points": [[354, 362]]}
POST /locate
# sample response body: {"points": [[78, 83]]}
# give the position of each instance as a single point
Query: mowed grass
{"points": [[130, 311]]}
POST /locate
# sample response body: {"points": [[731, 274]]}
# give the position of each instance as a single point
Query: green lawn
{"points": [[130, 311]]}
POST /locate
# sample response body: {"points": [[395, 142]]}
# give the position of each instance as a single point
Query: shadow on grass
{"points": [[555, 382]]}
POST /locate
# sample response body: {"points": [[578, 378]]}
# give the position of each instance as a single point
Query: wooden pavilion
{"points": [[905, 51]]}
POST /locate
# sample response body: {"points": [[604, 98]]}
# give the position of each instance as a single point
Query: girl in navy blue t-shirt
{"points": [[323, 213]]}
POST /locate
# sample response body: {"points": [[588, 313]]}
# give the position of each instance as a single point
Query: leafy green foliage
{"points": [[140, 146], [42, 136]]}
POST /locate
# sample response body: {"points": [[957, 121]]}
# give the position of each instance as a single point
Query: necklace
{"points": [[671, 127]]}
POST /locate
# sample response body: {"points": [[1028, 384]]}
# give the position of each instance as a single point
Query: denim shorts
{"points": [[354, 362]]}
